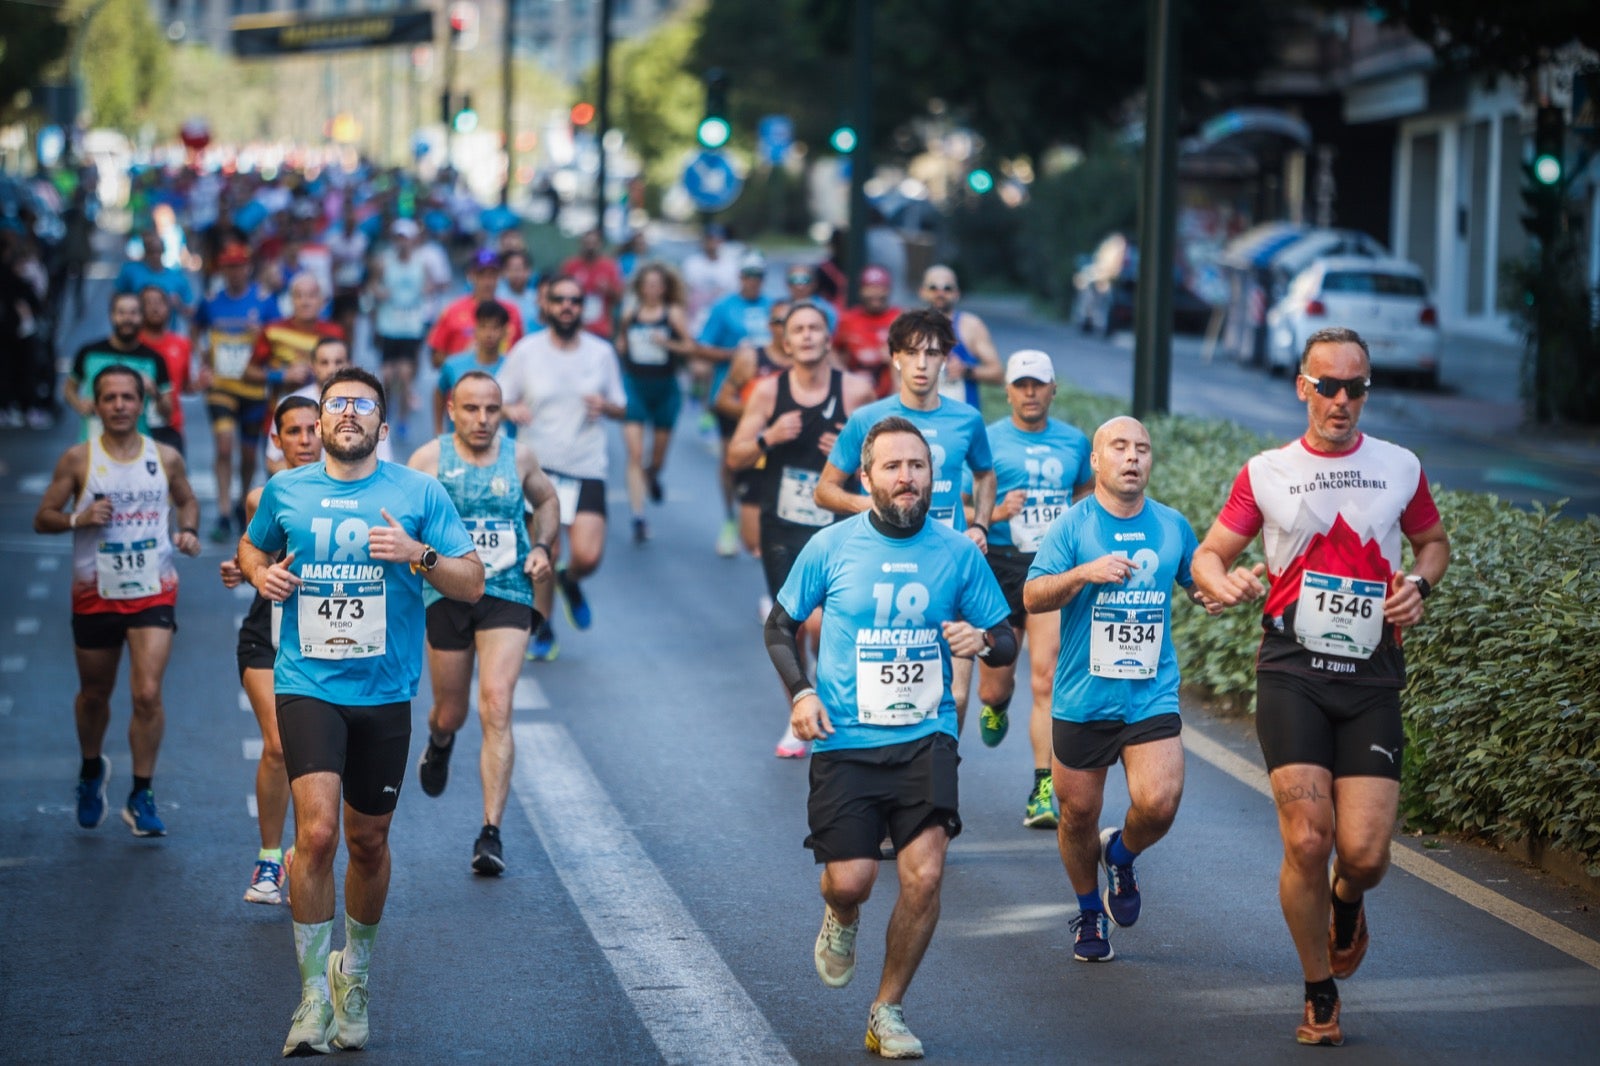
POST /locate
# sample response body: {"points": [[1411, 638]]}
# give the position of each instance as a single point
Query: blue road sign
{"points": [[776, 134], [710, 181]]}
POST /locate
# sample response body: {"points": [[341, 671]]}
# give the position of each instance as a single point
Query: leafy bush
{"points": [[1502, 705]]}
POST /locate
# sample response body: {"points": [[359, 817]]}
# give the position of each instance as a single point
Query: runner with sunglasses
{"points": [[559, 385], [359, 538], [1332, 509], [974, 358]]}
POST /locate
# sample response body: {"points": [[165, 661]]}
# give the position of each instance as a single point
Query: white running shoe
{"points": [[311, 1031], [266, 883], [887, 1035], [349, 994], [835, 952], [791, 746]]}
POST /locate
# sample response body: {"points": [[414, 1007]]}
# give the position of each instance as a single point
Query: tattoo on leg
{"points": [[1295, 793]]}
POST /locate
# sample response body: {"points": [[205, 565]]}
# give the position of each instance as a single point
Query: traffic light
{"points": [[715, 129], [980, 181], [465, 120], [1549, 146], [843, 140], [463, 25]]}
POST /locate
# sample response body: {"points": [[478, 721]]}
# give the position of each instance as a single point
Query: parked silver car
{"points": [[1385, 300]]}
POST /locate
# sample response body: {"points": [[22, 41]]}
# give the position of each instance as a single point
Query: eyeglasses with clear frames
{"points": [[337, 405]]}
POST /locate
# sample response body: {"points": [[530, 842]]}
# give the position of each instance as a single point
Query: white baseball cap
{"points": [[1030, 363]]}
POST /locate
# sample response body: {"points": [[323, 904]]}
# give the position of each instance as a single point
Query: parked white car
{"points": [[1384, 300]]}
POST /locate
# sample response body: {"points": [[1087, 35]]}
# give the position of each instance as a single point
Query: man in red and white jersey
{"points": [[1332, 509]]}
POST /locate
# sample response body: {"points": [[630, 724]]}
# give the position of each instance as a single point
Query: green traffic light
{"points": [[714, 131], [843, 140], [466, 121], [980, 181], [1547, 169]]}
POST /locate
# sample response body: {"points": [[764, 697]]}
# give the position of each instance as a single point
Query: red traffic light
{"points": [[582, 114], [463, 16]]}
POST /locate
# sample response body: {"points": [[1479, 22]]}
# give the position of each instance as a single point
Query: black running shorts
{"points": [[366, 746], [108, 629], [1096, 745], [1352, 730], [452, 623], [859, 794], [1010, 569], [780, 545]]}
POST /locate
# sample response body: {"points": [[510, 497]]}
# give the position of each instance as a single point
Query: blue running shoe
{"points": [[578, 612], [92, 797], [1121, 894], [141, 816], [1093, 937], [543, 648]]}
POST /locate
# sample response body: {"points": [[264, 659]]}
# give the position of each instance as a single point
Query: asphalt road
{"points": [[658, 905]]}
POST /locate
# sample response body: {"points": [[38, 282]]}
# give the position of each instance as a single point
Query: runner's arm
{"points": [[726, 402], [783, 649], [66, 484], [831, 494], [981, 345], [744, 449], [188, 505], [1210, 568]]}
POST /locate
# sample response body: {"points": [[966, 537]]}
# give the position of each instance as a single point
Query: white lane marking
{"points": [[252, 748], [48, 563], [250, 805], [693, 1006], [38, 590], [1468, 891], [1425, 994], [529, 696], [27, 627], [13, 664], [244, 703], [33, 484], [238, 620]]}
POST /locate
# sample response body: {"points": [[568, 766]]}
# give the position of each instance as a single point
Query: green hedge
{"points": [[1502, 708]]}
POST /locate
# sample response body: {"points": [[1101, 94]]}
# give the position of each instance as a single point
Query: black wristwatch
{"points": [[1423, 588], [427, 561], [761, 442]]}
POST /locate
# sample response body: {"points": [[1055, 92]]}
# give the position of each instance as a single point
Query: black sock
{"points": [[1002, 706], [491, 831], [91, 769], [1344, 920], [1324, 989], [140, 783], [449, 740], [1039, 775]]}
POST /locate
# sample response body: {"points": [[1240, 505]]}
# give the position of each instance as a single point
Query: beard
{"points": [[353, 453], [566, 330], [906, 517]]}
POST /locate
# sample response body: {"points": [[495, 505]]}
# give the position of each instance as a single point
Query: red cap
{"points": [[233, 255], [876, 275]]}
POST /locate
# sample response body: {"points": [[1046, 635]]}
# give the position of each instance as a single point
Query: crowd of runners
{"points": [[435, 509]]}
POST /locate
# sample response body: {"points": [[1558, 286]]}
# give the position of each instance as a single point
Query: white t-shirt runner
{"points": [[553, 383]]}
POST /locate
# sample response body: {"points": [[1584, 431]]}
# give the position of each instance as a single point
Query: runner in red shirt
{"points": [[452, 332], [598, 275], [175, 349], [862, 339]]}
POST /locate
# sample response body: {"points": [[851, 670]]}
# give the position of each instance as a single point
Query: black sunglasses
{"points": [[559, 300], [1355, 388]]}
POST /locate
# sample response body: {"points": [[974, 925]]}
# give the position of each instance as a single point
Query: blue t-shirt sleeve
{"points": [[979, 457], [805, 587], [125, 282], [442, 526], [184, 290], [265, 532], [846, 454], [714, 333], [1190, 543], [982, 603], [1056, 554]]}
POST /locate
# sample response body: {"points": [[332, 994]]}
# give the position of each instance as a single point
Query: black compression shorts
{"points": [[1351, 730], [366, 746], [451, 623]]}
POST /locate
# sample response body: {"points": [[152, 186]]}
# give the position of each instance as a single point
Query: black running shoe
{"points": [[433, 770], [486, 855], [641, 531], [652, 478]]}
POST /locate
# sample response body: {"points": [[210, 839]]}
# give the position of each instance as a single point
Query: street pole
{"points": [[507, 128], [447, 108], [861, 155], [1152, 359], [602, 112]]}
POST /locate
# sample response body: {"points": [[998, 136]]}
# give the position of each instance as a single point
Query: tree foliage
{"points": [[31, 40], [1026, 74], [655, 99], [1492, 36], [126, 62]]}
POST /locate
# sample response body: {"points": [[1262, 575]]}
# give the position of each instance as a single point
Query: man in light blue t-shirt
{"points": [[360, 538], [919, 343], [1109, 565], [901, 597]]}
